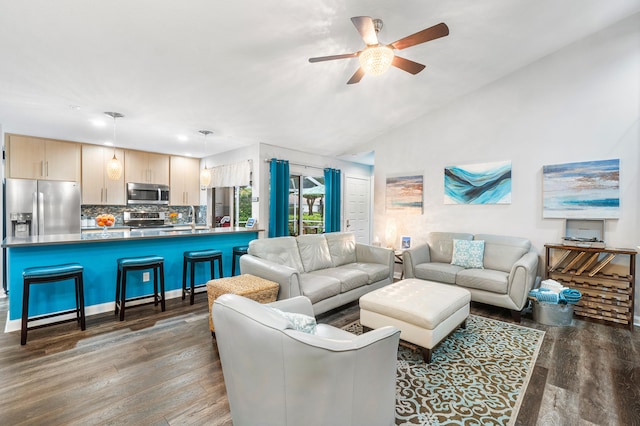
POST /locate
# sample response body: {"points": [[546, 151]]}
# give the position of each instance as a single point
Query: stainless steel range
{"points": [[145, 220]]}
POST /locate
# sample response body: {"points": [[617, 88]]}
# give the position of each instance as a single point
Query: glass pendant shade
{"points": [[114, 168], [205, 178], [376, 60]]}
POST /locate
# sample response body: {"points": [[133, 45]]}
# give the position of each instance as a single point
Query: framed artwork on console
{"points": [[584, 190]]}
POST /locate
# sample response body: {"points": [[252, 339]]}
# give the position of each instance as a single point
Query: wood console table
{"points": [[607, 297]]}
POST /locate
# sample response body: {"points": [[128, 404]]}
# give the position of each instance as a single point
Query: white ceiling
{"points": [[240, 68]]}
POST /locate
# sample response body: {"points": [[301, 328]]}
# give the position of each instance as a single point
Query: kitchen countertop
{"points": [[136, 234]]}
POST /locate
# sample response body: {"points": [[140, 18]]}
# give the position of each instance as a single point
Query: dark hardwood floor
{"points": [[163, 368]]}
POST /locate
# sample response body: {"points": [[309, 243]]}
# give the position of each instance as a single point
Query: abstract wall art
{"points": [[404, 194], [486, 183], [585, 190]]}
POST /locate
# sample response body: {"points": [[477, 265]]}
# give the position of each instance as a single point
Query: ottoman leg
{"points": [[464, 324]]}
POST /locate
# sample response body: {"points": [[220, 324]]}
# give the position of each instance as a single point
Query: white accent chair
{"points": [[276, 375]]}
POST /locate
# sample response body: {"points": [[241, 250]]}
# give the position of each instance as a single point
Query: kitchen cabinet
{"points": [[146, 167], [97, 188], [185, 181], [607, 294], [31, 157]]}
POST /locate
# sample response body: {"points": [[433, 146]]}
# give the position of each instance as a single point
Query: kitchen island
{"points": [[98, 255]]}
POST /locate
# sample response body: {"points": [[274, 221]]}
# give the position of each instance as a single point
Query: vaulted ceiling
{"points": [[240, 68]]}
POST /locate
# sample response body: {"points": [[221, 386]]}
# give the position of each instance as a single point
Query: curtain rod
{"points": [[268, 160]]}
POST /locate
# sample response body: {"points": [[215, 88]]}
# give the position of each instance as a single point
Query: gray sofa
{"points": [[509, 268], [330, 269]]}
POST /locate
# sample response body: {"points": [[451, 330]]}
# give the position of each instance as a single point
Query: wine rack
{"points": [[606, 296]]}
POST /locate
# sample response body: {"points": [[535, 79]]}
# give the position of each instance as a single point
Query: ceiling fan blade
{"points": [[355, 78], [428, 34], [332, 57], [366, 28], [407, 65]]}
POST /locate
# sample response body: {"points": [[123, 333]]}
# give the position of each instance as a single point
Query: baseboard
{"points": [[16, 325]]}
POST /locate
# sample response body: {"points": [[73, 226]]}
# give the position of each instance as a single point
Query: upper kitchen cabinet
{"points": [[185, 181], [146, 167], [97, 188], [37, 158]]}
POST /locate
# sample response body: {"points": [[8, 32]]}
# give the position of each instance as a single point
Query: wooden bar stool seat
{"points": [[156, 263], [52, 274], [237, 252], [189, 262]]}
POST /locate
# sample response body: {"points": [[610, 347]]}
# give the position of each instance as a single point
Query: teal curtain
{"points": [[279, 198], [332, 182]]}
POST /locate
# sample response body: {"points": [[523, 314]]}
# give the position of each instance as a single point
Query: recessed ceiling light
{"points": [[188, 154], [98, 123], [182, 138], [108, 143], [74, 107]]}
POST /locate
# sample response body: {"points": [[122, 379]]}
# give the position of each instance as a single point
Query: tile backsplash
{"points": [[91, 211]]}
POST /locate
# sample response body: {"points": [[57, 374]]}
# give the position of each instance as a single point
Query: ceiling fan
{"points": [[376, 58]]}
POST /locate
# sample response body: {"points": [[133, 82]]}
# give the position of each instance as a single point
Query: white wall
{"points": [[580, 103]]}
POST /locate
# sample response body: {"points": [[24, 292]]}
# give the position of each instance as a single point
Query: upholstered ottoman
{"points": [[425, 312], [249, 286]]}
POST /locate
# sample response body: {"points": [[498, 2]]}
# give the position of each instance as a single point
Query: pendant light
{"points": [[205, 174], [114, 166]]}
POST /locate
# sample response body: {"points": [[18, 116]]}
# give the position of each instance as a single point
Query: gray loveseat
{"points": [[330, 269], [507, 274]]}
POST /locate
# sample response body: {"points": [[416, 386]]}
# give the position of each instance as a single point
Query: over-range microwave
{"points": [[147, 193]]}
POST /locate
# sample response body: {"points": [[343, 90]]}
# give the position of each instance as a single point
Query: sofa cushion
{"points": [[342, 247], [375, 271], [349, 278], [484, 279], [468, 254], [314, 252], [282, 250], [318, 287], [440, 272], [441, 245], [501, 252]]}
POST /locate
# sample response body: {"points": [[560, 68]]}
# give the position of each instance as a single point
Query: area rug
{"points": [[477, 376]]}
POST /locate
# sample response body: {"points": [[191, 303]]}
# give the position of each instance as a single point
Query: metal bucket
{"points": [[553, 314]]}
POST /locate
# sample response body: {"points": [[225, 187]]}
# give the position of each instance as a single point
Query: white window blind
{"points": [[236, 174]]}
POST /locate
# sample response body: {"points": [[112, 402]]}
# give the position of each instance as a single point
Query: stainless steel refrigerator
{"points": [[41, 207]]}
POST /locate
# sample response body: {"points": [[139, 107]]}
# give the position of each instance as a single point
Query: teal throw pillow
{"points": [[299, 322], [468, 253]]}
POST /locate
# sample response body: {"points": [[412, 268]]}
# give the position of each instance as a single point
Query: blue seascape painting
{"points": [[587, 190], [486, 183]]}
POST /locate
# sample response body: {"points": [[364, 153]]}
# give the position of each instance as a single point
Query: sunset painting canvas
{"points": [[404, 194], [585, 190]]}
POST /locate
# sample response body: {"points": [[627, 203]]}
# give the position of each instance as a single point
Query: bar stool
{"points": [[51, 274], [237, 252], [190, 259], [135, 264]]}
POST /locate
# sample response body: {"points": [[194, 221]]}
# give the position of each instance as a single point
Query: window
{"points": [[243, 205], [306, 206], [232, 202]]}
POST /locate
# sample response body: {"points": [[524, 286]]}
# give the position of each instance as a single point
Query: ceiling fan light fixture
{"points": [[376, 60]]}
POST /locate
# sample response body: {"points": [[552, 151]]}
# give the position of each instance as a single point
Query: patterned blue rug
{"points": [[477, 376]]}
